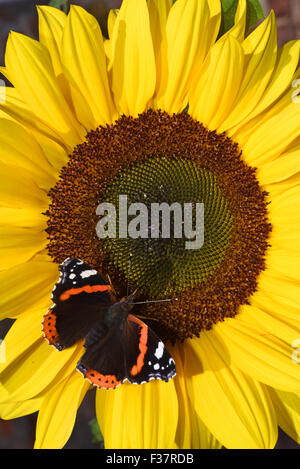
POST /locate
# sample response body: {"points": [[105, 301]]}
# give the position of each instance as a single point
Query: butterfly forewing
{"points": [[80, 297]]}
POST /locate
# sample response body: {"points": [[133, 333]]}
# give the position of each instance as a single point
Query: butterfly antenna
{"points": [[154, 301], [128, 275], [111, 285], [147, 318]]}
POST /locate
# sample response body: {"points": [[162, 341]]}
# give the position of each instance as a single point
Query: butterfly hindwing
{"points": [[131, 352], [80, 297], [103, 362], [153, 360]]}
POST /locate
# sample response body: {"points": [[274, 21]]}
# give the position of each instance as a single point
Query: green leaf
{"points": [[254, 13], [60, 4], [229, 7], [96, 432]]}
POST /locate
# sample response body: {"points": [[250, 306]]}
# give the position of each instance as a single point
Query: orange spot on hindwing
{"points": [[49, 328], [99, 380]]}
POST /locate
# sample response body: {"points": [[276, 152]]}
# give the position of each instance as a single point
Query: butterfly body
{"points": [[118, 345]]}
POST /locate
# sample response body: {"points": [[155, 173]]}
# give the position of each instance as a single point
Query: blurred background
{"points": [[288, 18], [21, 16]]}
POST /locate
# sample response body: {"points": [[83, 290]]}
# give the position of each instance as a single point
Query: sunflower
{"points": [[164, 110]]}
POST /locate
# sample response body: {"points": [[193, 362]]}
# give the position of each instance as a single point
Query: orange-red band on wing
{"points": [[142, 345], [86, 288], [102, 381], [49, 328]]}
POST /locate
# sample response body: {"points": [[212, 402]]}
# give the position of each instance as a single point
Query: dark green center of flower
{"points": [[155, 159], [170, 261]]}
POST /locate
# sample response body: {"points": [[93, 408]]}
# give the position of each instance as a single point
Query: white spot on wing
{"points": [[159, 351], [156, 366], [88, 273]]}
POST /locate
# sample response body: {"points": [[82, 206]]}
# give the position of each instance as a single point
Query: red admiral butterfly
{"points": [[119, 346]]}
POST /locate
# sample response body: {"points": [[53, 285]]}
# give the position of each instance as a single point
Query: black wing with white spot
{"points": [[130, 351], [80, 297], [153, 361]]}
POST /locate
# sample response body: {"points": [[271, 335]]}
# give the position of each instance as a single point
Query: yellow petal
{"points": [[18, 148], [279, 287], [133, 61], [238, 29], [236, 408], [158, 13], [269, 136], [84, 64], [287, 62], [258, 353], [58, 411], [212, 98], [260, 49], [27, 285], [279, 188], [39, 89], [51, 25], [191, 431], [138, 416], [14, 410], [52, 22], [287, 311], [246, 130], [282, 208], [189, 37], [284, 263], [17, 110], [111, 21], [55, 152], [283, 239], [18, 245], [281, 168], [216, 16], [270, 324], [287, 406], [21, 217], [18, 190], [31, 363]]}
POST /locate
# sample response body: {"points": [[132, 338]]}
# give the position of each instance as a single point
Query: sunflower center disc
{"points": [[167, 263], [154, 159]]}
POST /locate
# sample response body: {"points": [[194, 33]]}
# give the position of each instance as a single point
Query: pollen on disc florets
{"points": [[140, 156]]}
